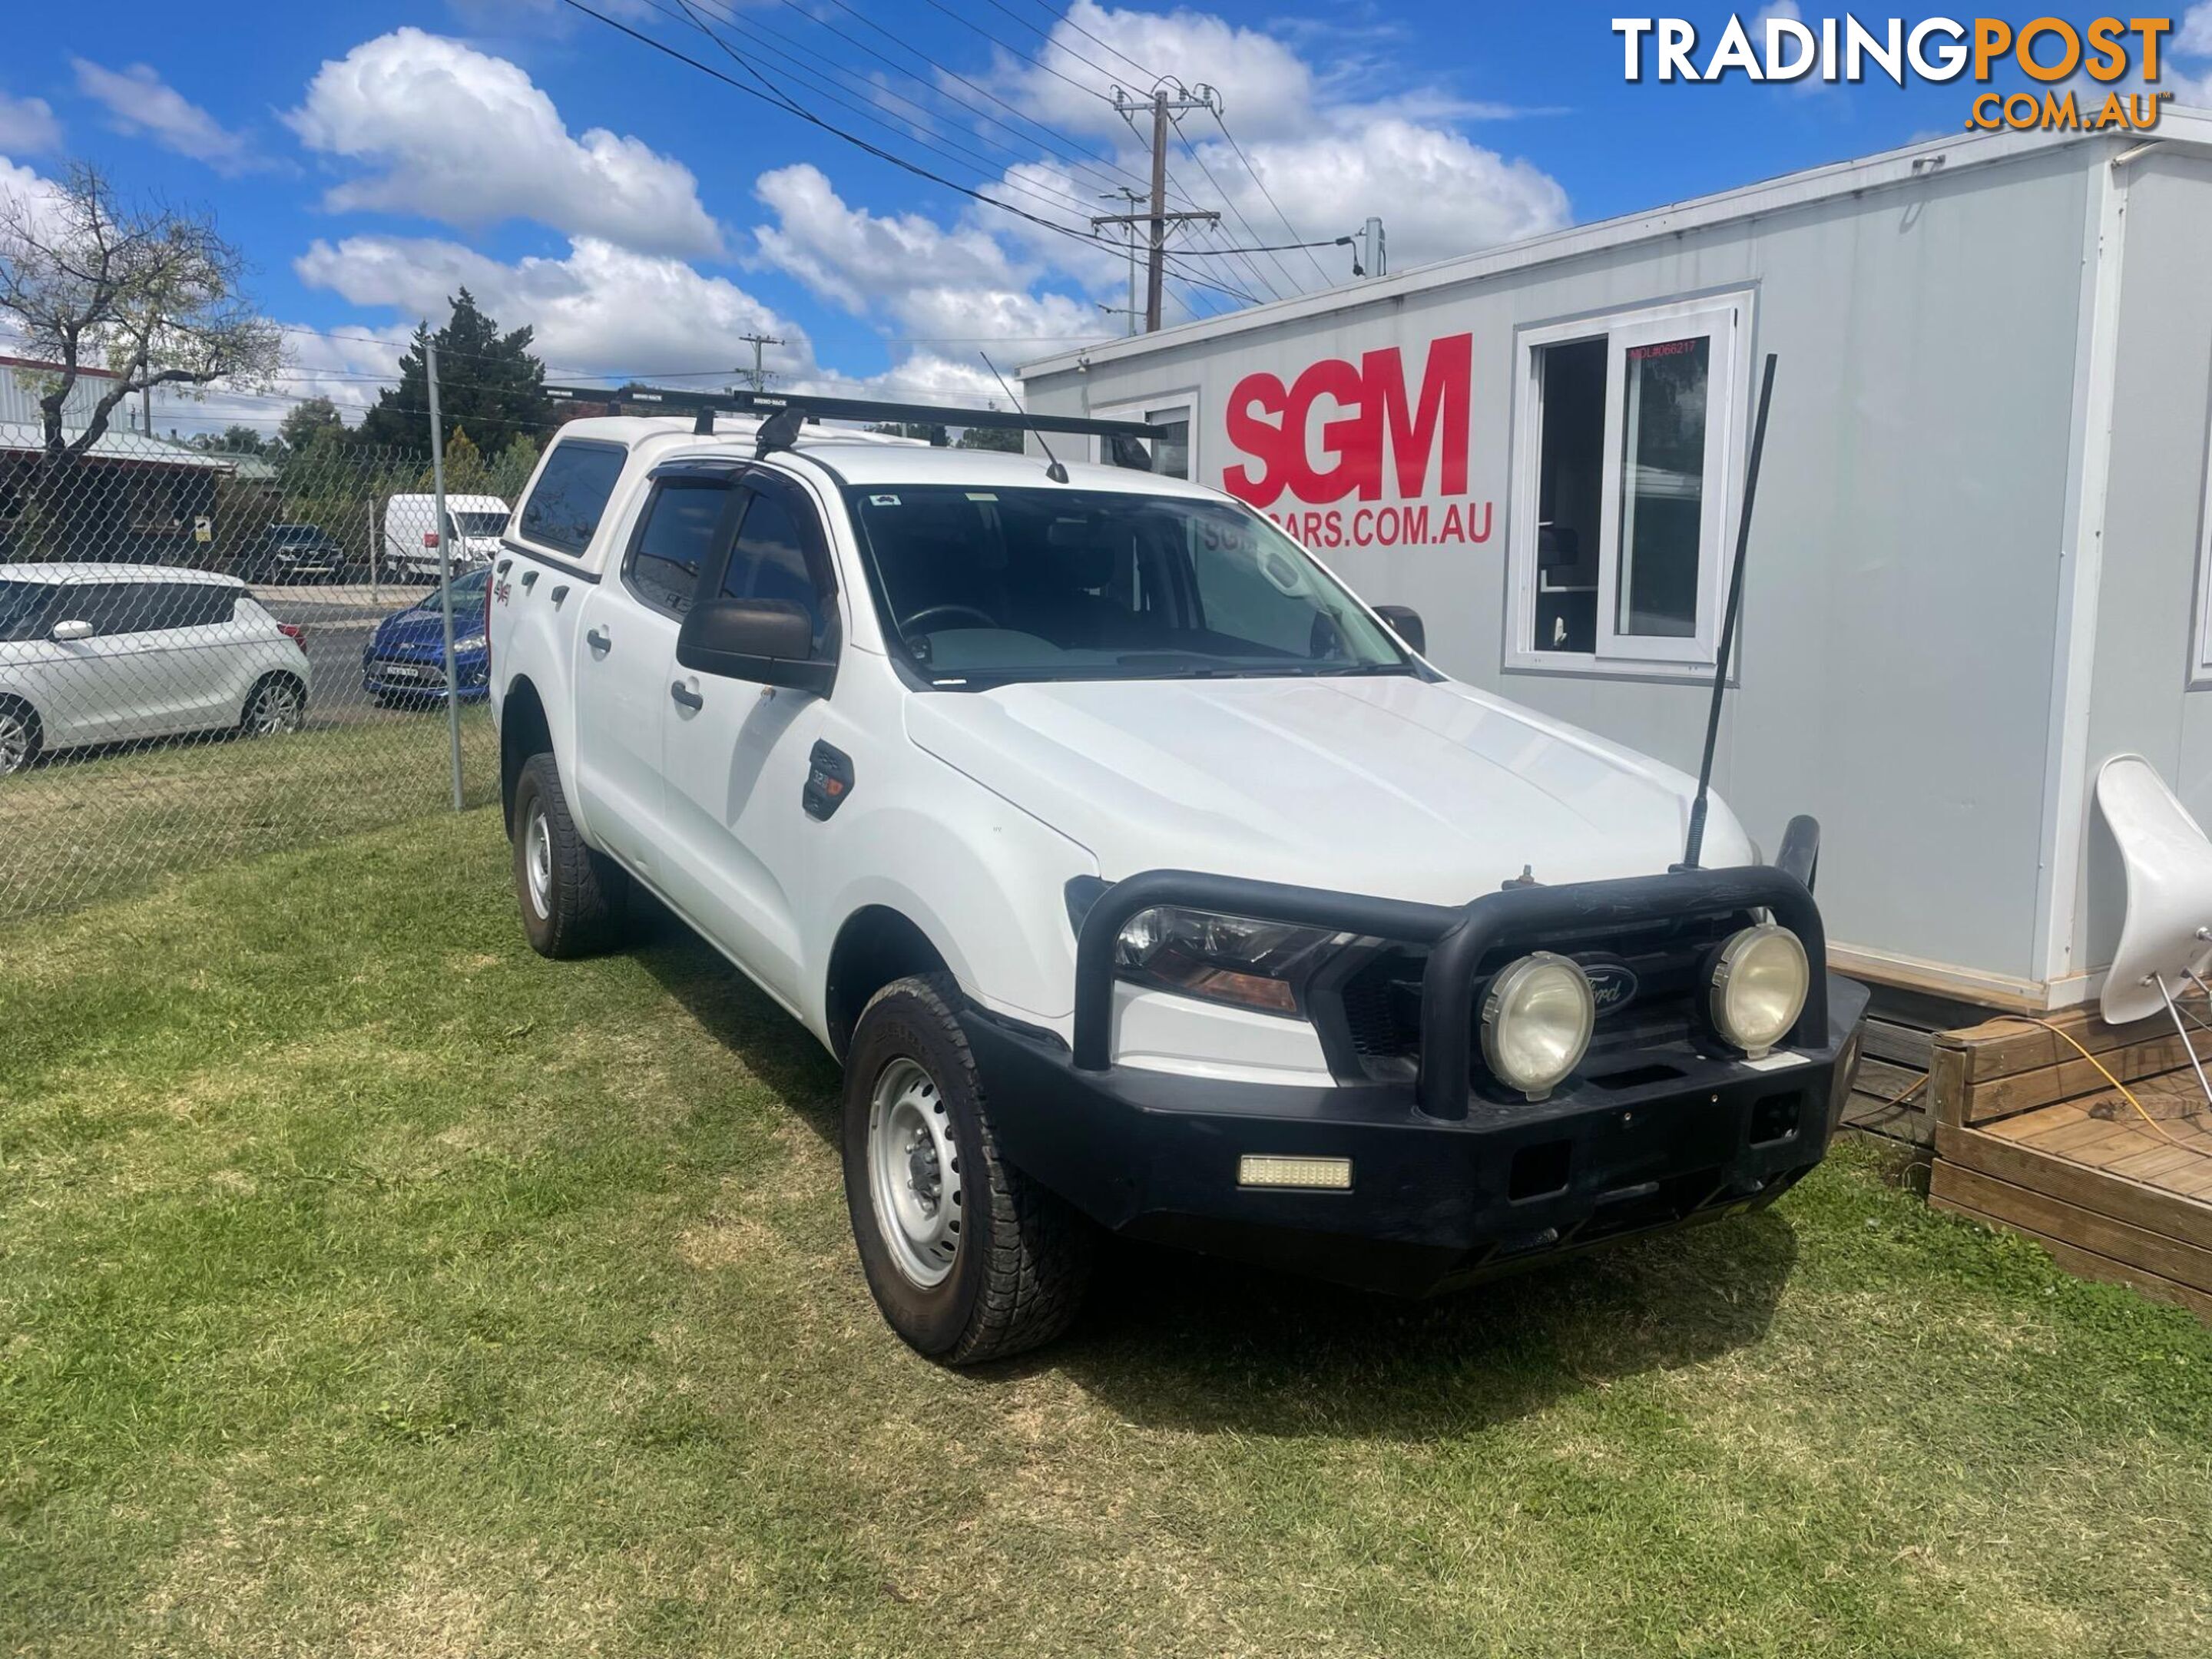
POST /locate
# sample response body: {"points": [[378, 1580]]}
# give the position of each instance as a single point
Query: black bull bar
{"points": [[1460, 938]]}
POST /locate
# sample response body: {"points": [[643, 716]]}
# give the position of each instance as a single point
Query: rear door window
{"points": [[199, 604], [571, 493]]}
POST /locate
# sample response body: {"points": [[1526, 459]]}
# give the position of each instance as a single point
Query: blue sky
{"points": [[643, 215]]}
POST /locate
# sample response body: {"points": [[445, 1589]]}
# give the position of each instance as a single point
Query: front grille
{"points": [[1376, 1005]]}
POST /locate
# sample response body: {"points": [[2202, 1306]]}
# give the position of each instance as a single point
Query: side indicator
{"points": [[828, 781]]}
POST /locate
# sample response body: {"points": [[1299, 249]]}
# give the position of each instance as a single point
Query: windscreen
{"points": [[478, 524], [468, 591], [988, 585]]}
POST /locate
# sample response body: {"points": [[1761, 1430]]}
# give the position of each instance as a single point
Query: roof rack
{"points": [[784, 412]]}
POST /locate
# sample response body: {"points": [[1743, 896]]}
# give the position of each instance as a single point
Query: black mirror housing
{"points": [[756, 639], [1406, 622]]}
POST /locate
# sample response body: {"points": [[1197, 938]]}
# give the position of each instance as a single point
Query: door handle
{"points": [[687, 697], [598, 640]]}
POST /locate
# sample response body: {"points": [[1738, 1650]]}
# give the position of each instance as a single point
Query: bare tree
{"points": [[152, 296]]}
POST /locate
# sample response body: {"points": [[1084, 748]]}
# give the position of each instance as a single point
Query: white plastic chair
{"points": [[2165, 941]]}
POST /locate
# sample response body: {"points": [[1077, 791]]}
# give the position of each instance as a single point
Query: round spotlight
{"points": [[1759, 984], [1536, 1022]]}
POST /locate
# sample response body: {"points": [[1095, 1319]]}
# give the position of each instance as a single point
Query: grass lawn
{"points": [[368, 1286], [89, 826]]}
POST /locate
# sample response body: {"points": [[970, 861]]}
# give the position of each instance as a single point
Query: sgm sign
{"points": [[1345, 431], [1936, 49]]}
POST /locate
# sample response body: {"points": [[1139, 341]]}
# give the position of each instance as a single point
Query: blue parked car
{"points": [[406, 660]]}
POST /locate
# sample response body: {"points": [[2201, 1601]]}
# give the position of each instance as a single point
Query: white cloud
{"points": [[1331, 151], [24, 184], [956, 284], [469, 139], [27, 127], [2194, 38], [1269, 88], [1438, 193], [600, 311], [139, 101], [348, 365]]}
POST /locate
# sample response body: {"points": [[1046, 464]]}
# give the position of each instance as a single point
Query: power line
{"points": [[767, 94], [749, 28], [1192, 151], [1262, 183], [1069, 18]]}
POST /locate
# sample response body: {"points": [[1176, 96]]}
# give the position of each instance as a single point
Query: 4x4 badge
{"points": [[1614, 985]]}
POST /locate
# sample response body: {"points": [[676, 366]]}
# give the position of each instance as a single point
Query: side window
{"points": [[563, 509], [673, 541], [1619, 521], [26, 610], [770, 560], [197, 605], [114, 607]]}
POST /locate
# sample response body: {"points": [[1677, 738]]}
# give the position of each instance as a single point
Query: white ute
{"points": [[1142, 878]]}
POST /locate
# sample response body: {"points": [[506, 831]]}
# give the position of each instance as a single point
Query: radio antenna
{"points": [[1056, 472], [1696, 844]]}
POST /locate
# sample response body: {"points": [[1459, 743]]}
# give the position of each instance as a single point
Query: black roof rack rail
{"points": [[799, 407]]}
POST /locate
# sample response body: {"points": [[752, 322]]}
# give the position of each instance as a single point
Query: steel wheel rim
{"points": [[914, 1173], [275, 711], [537, 862], [15, 743]]}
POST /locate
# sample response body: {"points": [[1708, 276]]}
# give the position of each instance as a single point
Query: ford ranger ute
{"points": [[1142, 878]]}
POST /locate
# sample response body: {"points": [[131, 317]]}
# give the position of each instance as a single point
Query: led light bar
{"points": [[1318, 1175]]}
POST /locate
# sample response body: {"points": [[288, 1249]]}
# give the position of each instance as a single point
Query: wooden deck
{"points": [[2031, 1136]]}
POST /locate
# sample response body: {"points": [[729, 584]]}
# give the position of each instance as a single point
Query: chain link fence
{"points": [[207, 653]]}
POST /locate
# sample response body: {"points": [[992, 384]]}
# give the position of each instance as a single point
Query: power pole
{"points": [[1128, 198], [759, 374], [1162, 103]]}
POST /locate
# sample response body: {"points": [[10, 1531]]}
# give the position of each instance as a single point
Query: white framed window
{"points": [[1175, 453], [1628, 435]]}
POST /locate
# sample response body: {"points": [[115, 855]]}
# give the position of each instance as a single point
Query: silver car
{"points": [[100, 653]]}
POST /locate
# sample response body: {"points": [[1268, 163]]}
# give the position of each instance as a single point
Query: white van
{"points": [[409, 521]]}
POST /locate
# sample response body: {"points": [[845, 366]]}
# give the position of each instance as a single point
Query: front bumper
{"points": [[1449, 1185], [399, 675]]}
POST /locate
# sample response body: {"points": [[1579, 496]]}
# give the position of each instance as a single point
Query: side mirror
{"points": [[1406, 622], [66, 632], [757, 640]]}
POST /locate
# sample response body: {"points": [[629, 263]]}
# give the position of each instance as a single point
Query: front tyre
{"points": [[969, 1259], [572, 897]]}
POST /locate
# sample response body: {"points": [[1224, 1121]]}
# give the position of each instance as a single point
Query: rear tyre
{"points": [[572, 898], [968, 1258], [20, 738], [276, 705]]}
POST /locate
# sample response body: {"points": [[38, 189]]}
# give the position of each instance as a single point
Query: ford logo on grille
{"points": [[1614, 985]]}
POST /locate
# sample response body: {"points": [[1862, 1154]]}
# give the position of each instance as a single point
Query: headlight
{"points": [[1536, 1022], [1758, 988], [1232, 959], [473, 642]]}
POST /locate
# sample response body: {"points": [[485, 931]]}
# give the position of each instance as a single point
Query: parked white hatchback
{"points": [[100, 653]]}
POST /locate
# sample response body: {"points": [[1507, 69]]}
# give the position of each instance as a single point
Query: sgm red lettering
{"points": [[1380, 432]]}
